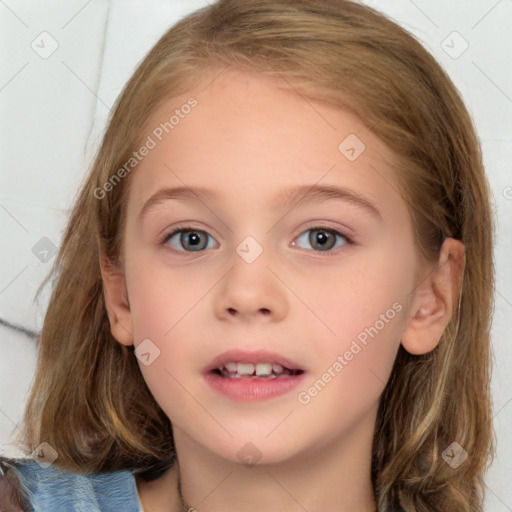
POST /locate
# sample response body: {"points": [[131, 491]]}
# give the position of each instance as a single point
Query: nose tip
{"points": [[251, 291]]}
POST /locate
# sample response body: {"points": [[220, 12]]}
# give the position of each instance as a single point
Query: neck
{"points": [[335, 476]]}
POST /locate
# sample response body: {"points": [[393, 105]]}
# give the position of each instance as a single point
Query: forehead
{"points": [[248, 135]]}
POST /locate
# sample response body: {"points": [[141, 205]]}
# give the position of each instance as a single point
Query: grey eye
{"points": [[322, 239], [190, 240]]}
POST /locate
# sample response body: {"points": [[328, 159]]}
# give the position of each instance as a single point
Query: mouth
{"points": [[252, 376], [261, 364], [267, 370]]}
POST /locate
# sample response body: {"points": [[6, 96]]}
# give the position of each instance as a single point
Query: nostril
{"points": [[233, 311]]}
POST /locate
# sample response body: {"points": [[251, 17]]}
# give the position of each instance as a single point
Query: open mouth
{"points": [[234, 370], [250, 376]]}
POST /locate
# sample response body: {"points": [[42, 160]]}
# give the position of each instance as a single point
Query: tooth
{"points": [[263, 369], [245, 368], [231, 367], [277, 368]]}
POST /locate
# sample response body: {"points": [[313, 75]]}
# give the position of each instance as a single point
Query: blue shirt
{"points": [[53, 489]]}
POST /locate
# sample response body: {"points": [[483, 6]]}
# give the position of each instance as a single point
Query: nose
{"points": [[252, 292]]}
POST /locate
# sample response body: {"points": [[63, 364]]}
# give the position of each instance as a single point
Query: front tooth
{"points": [[231, 367], [245, 368], [277, 368], [263, 369]]}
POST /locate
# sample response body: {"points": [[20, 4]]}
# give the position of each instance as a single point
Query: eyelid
{"points": [[344, 231]]}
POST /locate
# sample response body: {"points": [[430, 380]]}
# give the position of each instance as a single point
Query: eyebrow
{"points": [[283, 199]]}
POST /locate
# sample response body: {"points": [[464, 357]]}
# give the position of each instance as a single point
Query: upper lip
{"points": [[255, 356]]}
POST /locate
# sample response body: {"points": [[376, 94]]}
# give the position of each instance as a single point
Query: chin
{"points": [[251, 451]]}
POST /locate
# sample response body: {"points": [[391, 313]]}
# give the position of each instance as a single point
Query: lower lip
{"points": [[245, 389]]}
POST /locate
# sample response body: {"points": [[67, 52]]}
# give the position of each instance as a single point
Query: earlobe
{"points": [[116, 302], [435, 300]]}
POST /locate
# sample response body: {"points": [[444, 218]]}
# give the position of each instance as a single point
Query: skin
{"points": [[249, 138]]}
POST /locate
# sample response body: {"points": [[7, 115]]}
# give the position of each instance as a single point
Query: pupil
{"points": [[321, 239], [192, 239]]}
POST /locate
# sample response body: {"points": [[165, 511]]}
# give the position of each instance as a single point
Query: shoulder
{"points": [[52, 488]]}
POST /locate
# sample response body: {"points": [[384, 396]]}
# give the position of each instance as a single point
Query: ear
{"points": [[116, 301], [435, 300]]}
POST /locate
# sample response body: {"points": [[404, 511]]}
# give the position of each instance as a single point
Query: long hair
{"points": [[89, 400]]}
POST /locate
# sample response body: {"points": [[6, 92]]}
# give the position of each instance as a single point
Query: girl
{"points": [[274, 291]]}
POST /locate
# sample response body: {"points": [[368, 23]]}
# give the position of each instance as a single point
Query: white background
{"points": [[53, 112]]}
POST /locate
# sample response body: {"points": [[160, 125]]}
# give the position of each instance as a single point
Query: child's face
{"points": [[335, 310]]}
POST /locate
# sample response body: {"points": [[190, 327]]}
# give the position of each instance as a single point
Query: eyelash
{"points": [[331, 252]]}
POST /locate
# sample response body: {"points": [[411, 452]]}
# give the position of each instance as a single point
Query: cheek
{"points": [[165, 305], [364, 302], [170, 374], [366, 311], [160, 296], [354, 294]]}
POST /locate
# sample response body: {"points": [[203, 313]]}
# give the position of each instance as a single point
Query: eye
{"points": [[323, 239], [189, 239]]}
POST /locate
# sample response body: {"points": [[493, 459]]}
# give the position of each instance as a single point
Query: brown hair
{"points": [[89, 400]]}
